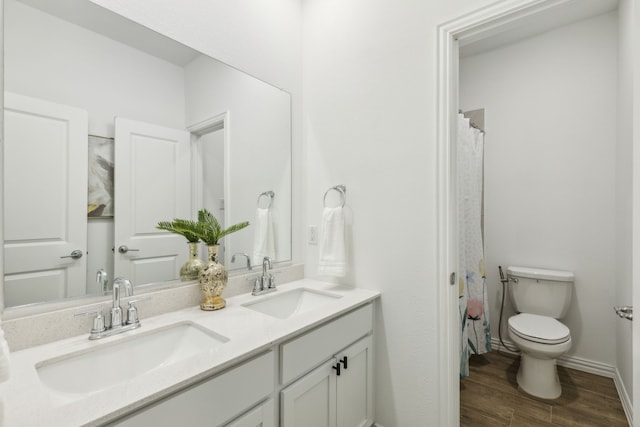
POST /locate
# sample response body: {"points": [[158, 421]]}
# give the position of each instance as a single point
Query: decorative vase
{"points": [[190, 270], [213, 279]]}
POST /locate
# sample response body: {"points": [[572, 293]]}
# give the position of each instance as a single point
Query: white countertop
{"points": [[26, 402]]}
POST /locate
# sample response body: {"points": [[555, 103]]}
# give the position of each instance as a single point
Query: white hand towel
{"points": [[333, 252], [4, 357], [263, 241]]}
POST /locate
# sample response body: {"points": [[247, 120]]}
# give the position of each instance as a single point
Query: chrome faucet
{"points": [[116, 310], [102, 280], [266, 261], [267, 282], [233, 258], [100, 329]]}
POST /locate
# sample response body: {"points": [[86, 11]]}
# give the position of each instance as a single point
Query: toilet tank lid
{"points": [[540, 273]]}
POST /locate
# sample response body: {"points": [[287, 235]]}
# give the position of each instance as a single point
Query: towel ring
{"points": [[268, 194], [339, 188]]}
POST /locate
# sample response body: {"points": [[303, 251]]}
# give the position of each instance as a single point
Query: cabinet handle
{"points": [[337, 368], [344, 362]]}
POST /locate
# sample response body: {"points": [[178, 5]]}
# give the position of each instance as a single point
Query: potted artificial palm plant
{"points": [[213, 276], [190, 270]]}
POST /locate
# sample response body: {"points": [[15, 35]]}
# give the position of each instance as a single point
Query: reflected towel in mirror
{"points": [[263, 240], [332, 245]]}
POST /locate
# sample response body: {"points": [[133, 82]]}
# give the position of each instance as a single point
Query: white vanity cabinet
{"points": [[338, 392], [217, 401], [323, 379]]}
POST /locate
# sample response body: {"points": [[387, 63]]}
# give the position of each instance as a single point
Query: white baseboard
{"points": [[572, 362], [497, 345], [627, 404], [588, 366]]}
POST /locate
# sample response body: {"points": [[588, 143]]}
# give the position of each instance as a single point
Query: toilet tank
{"points": [[540, 291]]}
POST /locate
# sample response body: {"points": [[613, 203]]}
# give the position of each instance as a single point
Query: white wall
{"points": [[259, 151], [69, 62], [550, 168], [369, 123], [624, 195]]}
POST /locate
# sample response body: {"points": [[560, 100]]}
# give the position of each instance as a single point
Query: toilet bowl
{"points": [[541, 339], [540, 297]]}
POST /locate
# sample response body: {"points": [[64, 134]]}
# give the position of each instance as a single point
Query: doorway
{"points": [[210, 151], [506, 20]]}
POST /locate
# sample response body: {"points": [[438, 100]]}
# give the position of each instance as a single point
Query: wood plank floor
{"points": [[490, 397]]}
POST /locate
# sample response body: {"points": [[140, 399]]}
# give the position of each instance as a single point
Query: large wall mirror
{"points": [[110, 128]]}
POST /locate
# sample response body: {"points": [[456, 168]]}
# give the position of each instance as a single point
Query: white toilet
{"points": [[540, 297]]}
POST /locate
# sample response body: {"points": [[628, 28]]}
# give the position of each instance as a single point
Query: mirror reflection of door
{"points": [[45, 221], [152, 183]]}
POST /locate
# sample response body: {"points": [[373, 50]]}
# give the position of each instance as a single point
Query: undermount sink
{"points": [[289, 303], [75, 375]]}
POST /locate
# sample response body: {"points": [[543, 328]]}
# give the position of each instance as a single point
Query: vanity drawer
{"points": [[211, 402], [304, 353]]}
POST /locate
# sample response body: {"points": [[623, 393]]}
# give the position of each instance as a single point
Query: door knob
{"points": [[123, 249], [77, 254]]}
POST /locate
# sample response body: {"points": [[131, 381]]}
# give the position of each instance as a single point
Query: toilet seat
{"points": [[540, 329]]}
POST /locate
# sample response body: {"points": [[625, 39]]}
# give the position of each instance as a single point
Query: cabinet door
{"points": [[354, 385], [311, 401], [262, 416]]}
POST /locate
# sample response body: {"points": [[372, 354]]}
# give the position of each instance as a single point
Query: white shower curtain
{"points": [[473, 302]]}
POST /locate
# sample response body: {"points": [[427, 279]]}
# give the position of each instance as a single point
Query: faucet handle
{"points": [[132, 310], [98, 319], [272, 281], [258, 286]]}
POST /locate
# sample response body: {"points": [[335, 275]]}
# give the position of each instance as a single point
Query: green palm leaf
{"points": [[211, 231], [207, 228], [181, 227]]}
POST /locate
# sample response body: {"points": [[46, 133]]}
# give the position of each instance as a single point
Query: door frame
{"points": [[214, 123], [475, 26]]}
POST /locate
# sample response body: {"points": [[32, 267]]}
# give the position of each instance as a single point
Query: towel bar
{"points": [[341, 189], [270, 195]]}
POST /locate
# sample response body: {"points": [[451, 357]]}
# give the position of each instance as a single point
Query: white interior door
{"points": [[45, 209], [152, 184]]}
